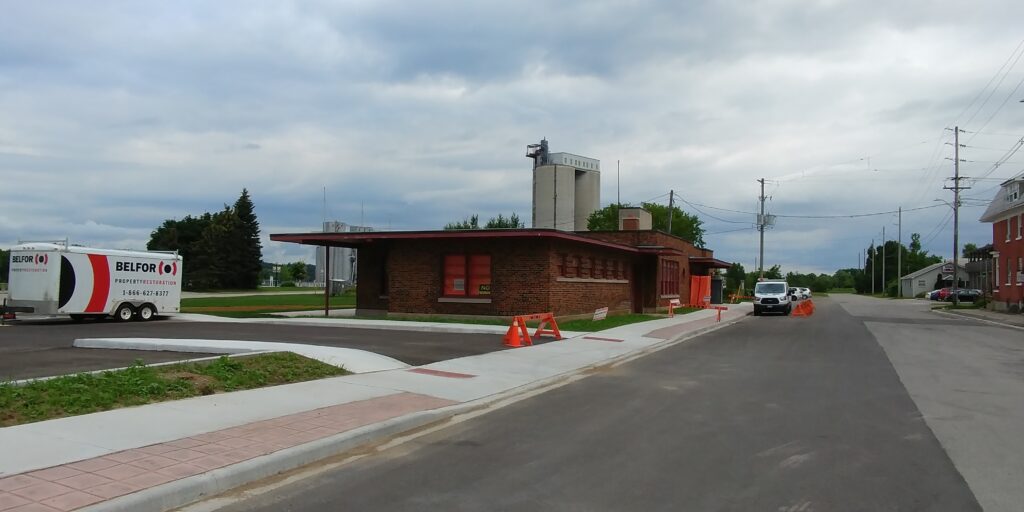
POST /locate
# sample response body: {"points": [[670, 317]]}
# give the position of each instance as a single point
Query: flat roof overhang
{"points": [[361, 239], [709, 262]]}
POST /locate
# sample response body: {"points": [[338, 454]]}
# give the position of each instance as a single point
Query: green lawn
{"points": [[84, 393], [265, 289], [841, 290], [254, 306], [614, 321]]}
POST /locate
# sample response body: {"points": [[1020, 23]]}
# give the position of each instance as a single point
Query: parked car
{"points": [[942, 293], [805, 293], [794, 293], [964, 295]]}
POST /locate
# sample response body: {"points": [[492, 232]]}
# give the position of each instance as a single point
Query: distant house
{"points": [[1006, 213], [929, 278]]}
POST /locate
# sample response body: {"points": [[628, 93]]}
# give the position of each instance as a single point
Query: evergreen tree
{"points": [[472, 222], [182, 236], [249, 252], [502, 222], [5, 261]]}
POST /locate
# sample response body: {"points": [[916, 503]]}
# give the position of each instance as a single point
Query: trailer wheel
{"points": [[146, 313], [77, 318], [124, 313]]}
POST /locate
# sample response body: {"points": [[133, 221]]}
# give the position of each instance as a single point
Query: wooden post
{"points": [[327, 281]]}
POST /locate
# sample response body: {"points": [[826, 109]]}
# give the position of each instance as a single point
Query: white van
{"points": [[772, 296]]}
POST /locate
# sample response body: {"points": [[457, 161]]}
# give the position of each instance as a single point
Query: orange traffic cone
{"points": [[517, 334]]}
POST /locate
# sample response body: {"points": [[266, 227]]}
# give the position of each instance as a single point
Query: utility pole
{"points": [[671, 203], [956, 188], [899, 253], [873, 266], [760, 227], [883, 260]]}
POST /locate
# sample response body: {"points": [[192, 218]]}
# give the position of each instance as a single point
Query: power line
{"points": [[748, 228], [996, 87]]}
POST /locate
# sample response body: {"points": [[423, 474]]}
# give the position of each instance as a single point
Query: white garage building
{"points": [[911, 285]]}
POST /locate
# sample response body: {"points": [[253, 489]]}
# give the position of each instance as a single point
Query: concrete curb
{"points": [[193, 489], [978, 318], [354, 323]]}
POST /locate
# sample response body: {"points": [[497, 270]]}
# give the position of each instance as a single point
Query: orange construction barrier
{"points": [[720, 309], [518, 335], [700, 291], [804, 308]]}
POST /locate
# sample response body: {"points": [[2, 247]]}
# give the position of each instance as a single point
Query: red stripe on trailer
{"points": [[100, 284]]}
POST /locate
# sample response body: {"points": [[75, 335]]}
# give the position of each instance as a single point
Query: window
{"points": [[593, 267], [563, 262], [669, 277], [1008, 219], [995, 272], [1013, 192], [1020, 220], [1020, 268], [467, 275], [605, 270], [1009, 271]]}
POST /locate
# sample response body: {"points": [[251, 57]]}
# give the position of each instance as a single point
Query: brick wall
{"points": [[577, 291], [653, 298], [525, 278], [1007, 297], [371, 294]]}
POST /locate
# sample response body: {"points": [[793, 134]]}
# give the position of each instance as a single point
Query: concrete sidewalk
{"points": [[1006, 319], [162, 456]]}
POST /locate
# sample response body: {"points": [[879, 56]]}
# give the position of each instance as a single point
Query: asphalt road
{"points": [[778, 414], [44, 348]]}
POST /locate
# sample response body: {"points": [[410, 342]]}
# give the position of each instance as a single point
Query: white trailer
{"points": [[83, 282]]}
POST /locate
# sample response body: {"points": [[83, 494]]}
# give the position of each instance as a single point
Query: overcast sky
{"points": [[117, 115]]}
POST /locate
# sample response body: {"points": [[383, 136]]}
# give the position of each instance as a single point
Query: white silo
{"points": [[566, 188]]}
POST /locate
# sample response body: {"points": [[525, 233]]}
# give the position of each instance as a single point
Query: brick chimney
{"points": [[635, 219]]}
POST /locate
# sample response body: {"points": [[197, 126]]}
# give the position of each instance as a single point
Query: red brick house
{"points": [[517, 271], [1006, 213]]}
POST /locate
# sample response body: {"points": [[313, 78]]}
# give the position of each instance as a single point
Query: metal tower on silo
{"points": [[566, 188]]}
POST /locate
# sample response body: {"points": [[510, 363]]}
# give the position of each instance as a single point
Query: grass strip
{"points": [[84, 393], [258, 306], [585, 325], [267, 300]]}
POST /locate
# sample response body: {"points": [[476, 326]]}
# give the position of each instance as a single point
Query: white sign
{"points": [[600, 314], [947, 269]]}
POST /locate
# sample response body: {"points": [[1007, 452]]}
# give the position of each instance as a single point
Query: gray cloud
{"points": [[415, 115]]}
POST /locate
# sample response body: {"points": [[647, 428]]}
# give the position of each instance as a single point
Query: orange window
{"points": [[455, 274], [467, 275], [479, 275]]}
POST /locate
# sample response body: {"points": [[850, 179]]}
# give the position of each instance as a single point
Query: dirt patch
{"points": [[203, 383]]}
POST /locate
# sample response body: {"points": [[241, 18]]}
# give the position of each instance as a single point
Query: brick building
{"points": [[1006, 213], [517, 271]]}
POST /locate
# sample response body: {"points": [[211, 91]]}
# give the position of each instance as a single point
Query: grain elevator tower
{"points": [[566, 188]]}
